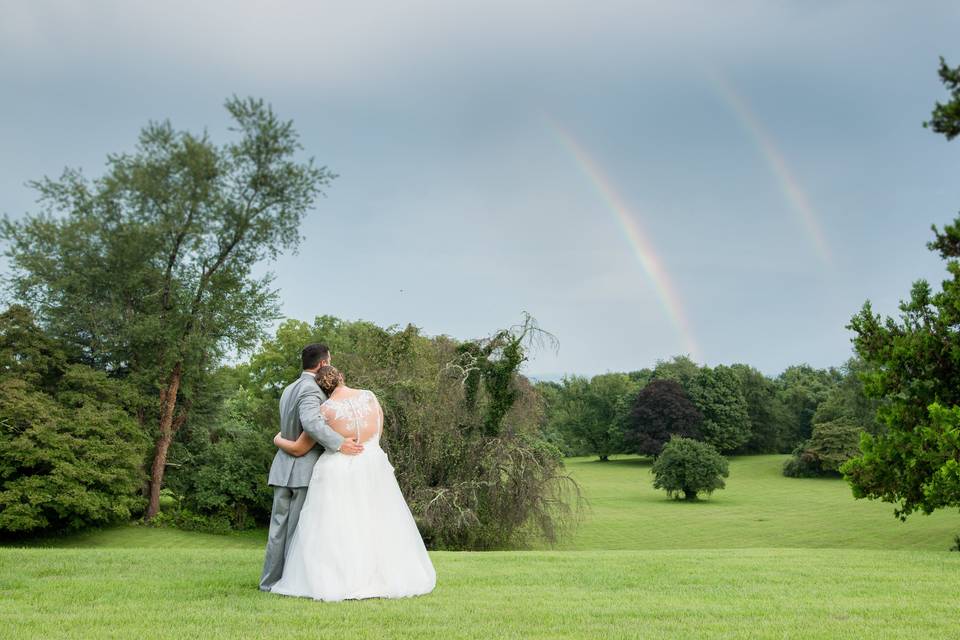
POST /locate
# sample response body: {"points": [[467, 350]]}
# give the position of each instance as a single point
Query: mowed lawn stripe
{"points": [[741, 593]]}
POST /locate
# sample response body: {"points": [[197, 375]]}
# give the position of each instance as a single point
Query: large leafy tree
{"points": [[592, 414], [915, 369], [681, 369], [147, 270], [717, 393], [688, 467], [661, 410], [848, 399], [801, 389], [71, 455], [768, 416]]}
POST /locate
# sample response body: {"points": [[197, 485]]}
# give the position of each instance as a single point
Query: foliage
{"points": [[914, 368], [801, 389], [218, 469], [837, 424], [689, 467], [832, 443], [768, 417], [717, 394], [591, 414], [945, 118], [554, 422], [147, 270], [681, 369], [70, 453], [848, 399], [661, 410]]}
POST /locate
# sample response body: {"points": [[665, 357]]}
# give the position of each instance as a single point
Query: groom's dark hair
{"points": [[312, 354]]}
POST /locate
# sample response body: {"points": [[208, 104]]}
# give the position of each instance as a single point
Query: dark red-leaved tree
{"points": [[661, 410]]}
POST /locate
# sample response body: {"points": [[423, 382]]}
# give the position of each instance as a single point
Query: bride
{"points": [[356, 537]]}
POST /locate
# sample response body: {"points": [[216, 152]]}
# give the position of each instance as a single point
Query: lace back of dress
{"points": [[359, 414]]}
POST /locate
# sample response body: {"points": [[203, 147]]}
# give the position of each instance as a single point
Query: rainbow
{"points": [[789, 184], [636, 237]]}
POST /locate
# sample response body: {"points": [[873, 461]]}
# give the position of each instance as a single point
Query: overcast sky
{"points": [[726, 179]]}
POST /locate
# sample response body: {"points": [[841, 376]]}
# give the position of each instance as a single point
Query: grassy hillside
{"points": [[639, 566], [759, 508]]}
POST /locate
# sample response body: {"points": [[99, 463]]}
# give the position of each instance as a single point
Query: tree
{"points": [[591, 414], [837, 424], [661, 410], [945, 118], [831, 444], [219, 462], [915, 370], [801, 389], [847, 399], [716, 392], [689, 467], [553, 424], [767, 416], [70, 453], [493, 363], [681, 369], [147, 271]]}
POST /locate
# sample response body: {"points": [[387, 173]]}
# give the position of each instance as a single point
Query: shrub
{"points": [[71, 455], [689, 467], [831, 444], [219, 466], [68, 460]]}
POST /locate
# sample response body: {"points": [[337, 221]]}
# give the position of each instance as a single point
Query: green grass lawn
{"points": [[759, 508], [769, 557]]}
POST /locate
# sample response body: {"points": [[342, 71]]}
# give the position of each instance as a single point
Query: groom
{"points": [[289, 476]]}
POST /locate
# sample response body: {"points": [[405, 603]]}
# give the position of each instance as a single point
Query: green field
{"points": [[769, 557], [759, 508]]}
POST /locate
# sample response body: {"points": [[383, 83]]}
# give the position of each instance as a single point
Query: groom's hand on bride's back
{"points": [[351, 447]]}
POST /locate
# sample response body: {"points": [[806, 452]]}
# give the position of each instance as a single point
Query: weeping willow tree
{"points": [[502, 483]]}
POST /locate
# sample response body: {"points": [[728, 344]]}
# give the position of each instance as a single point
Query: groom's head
{"points": [[314, 356]]}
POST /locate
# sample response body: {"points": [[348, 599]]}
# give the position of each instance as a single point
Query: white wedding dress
{"points": [[356, 537]]}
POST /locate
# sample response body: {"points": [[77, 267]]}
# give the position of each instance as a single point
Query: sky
{"points": [[728, 180]]}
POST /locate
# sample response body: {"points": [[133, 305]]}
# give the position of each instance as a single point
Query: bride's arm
{"points": [[296, 447]]}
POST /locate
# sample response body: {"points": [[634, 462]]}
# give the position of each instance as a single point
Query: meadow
{"points": [[768, 557]]}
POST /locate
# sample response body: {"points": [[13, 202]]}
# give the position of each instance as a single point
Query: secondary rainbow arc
{"points": [[790, 186]]}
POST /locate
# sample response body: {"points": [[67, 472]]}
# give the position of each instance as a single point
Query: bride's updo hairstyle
{"points": [[329, 378]]}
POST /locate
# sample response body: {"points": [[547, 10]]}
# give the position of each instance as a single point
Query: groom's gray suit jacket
{"points": [[299, 412]]}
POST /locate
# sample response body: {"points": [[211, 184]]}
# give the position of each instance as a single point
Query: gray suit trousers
{"points": [[287, 504]]}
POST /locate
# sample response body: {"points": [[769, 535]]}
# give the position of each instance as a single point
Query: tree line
{"points": [[817, 414]]}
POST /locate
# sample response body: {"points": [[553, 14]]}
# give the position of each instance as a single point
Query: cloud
{"points": [[359, 44]]}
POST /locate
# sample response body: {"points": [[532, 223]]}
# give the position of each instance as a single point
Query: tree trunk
{"points": [[689, 494], [604, 458], [168, 404]]}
